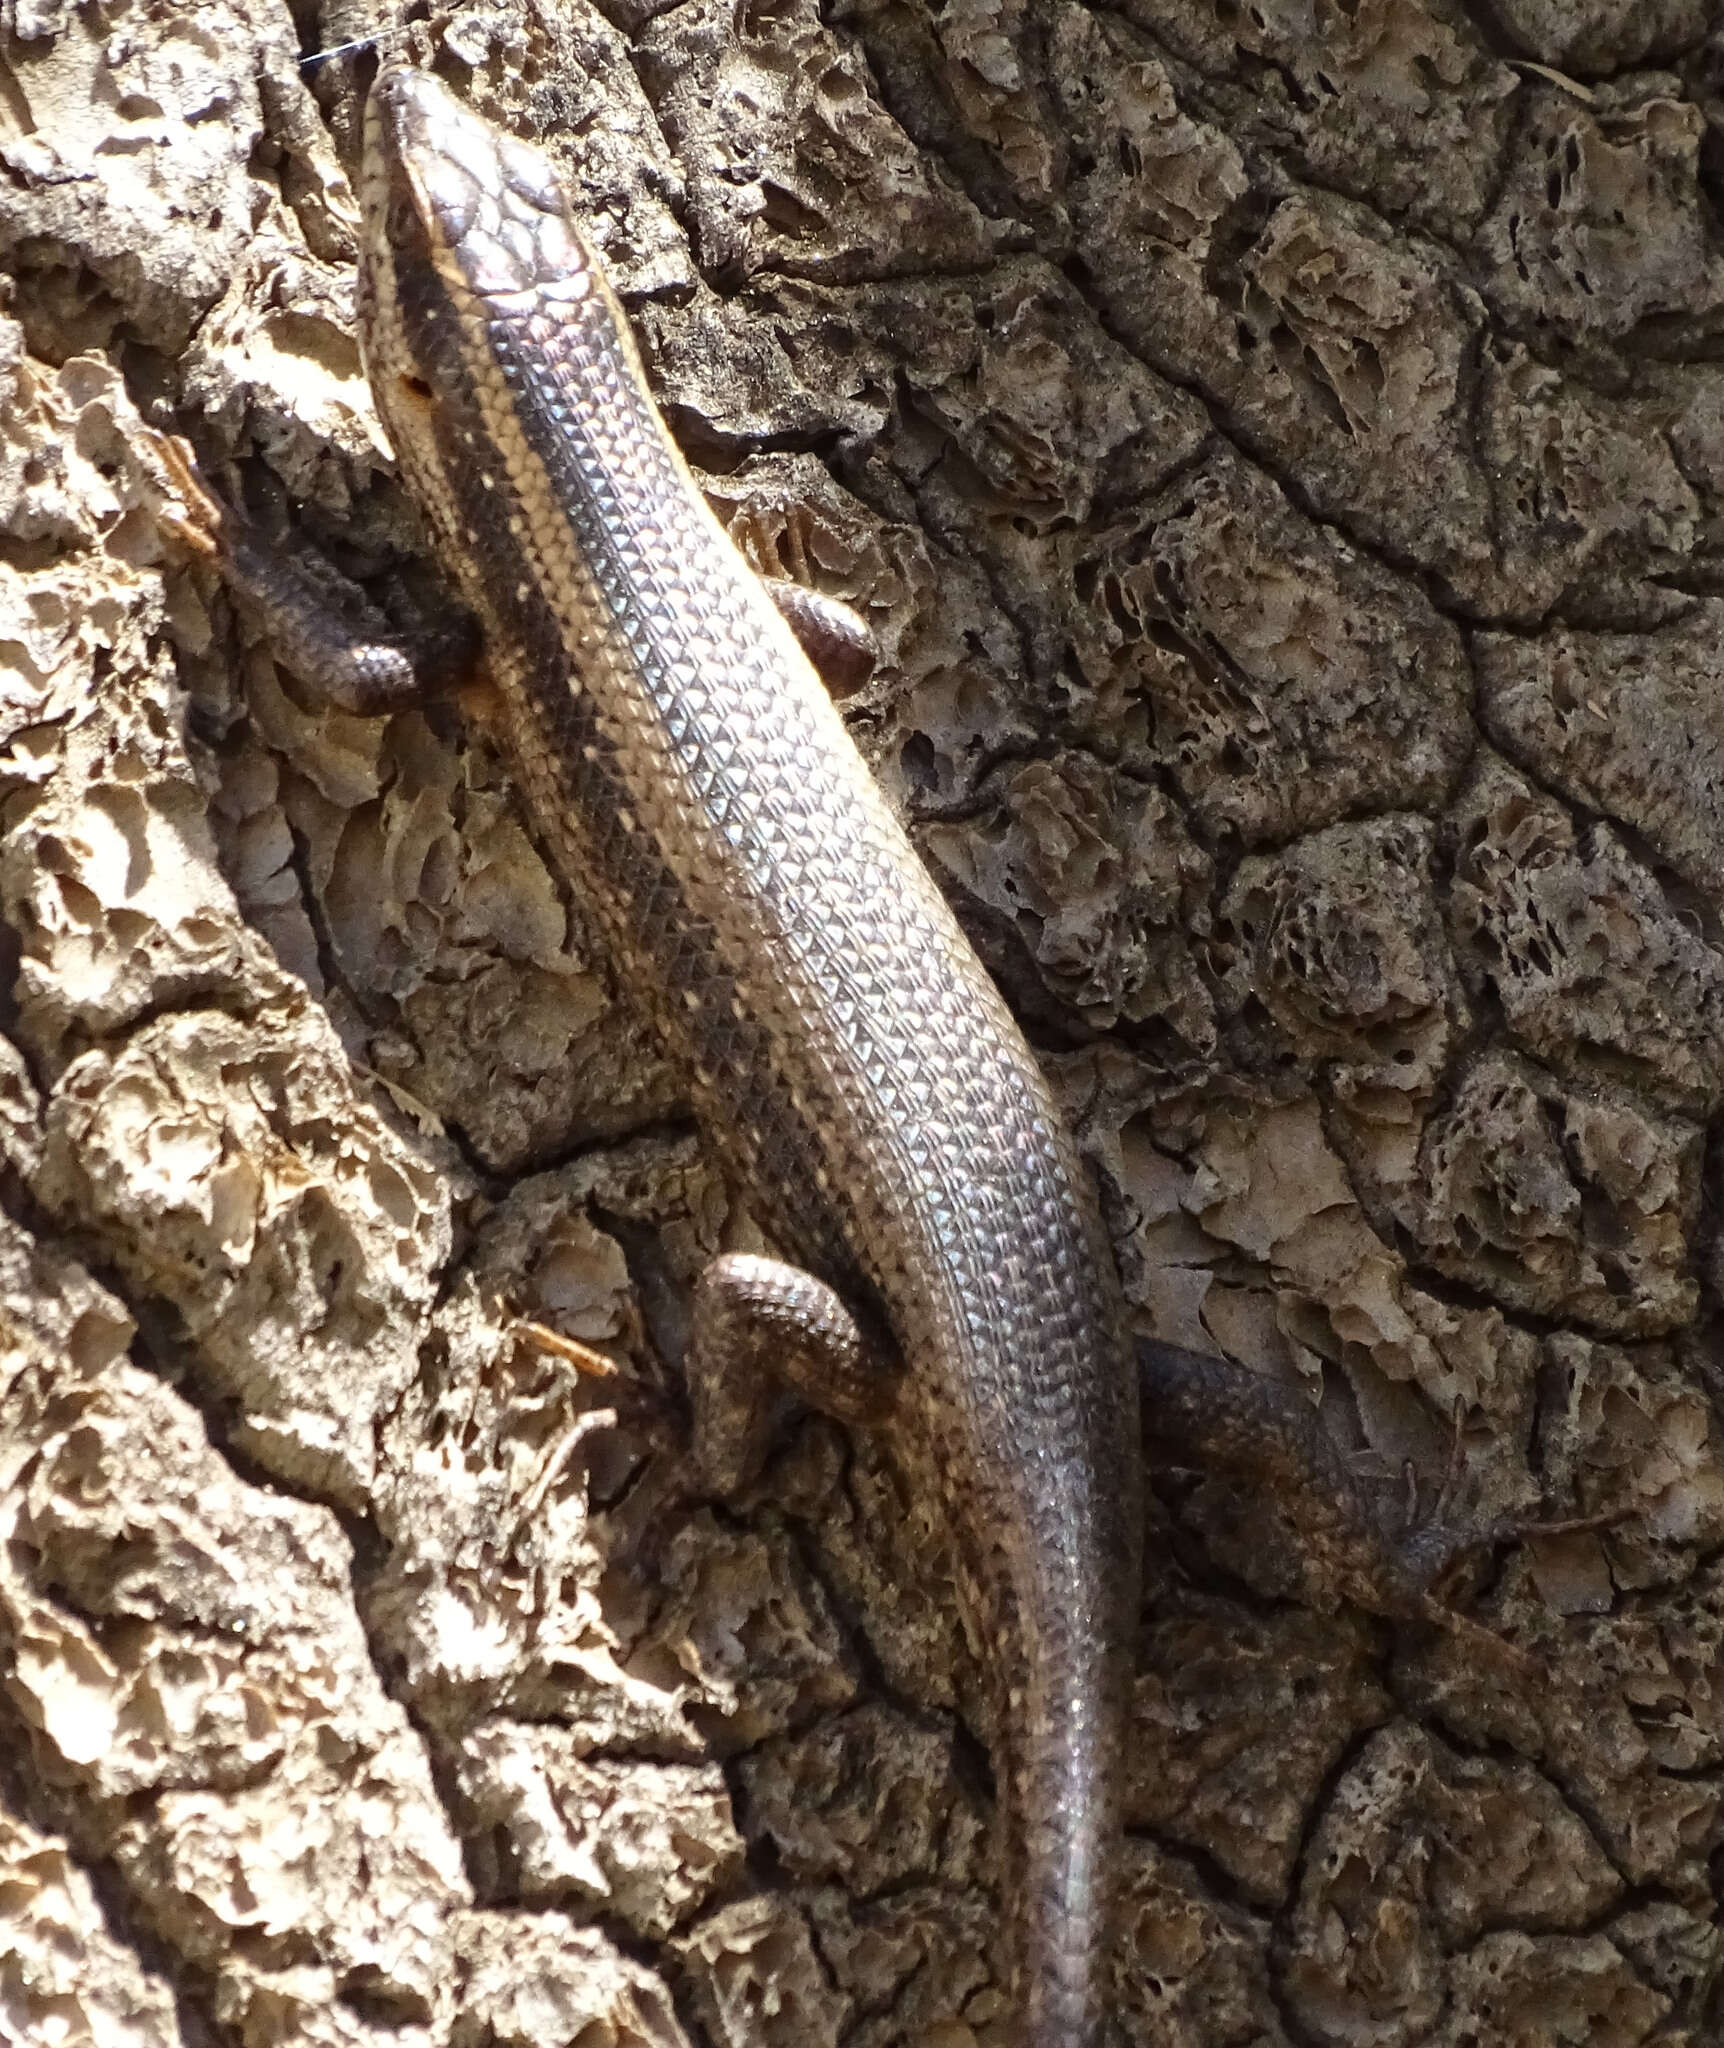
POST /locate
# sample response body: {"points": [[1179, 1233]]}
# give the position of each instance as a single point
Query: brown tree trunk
{"points": [[1280, 450]]}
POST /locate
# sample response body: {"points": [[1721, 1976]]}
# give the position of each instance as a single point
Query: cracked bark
{"points": [[1281, 453]]}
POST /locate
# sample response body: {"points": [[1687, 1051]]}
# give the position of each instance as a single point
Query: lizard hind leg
{"points": [[761, 1325]]}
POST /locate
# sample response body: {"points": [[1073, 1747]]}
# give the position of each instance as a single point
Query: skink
{"points": [[847, 1054]]}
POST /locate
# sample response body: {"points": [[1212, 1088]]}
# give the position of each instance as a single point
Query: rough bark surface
{"points": [[1279, 445]]}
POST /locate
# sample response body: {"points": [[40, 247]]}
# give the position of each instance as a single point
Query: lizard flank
{"points": [[847, 1054]]}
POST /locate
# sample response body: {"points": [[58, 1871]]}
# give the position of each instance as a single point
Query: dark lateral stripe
{"points": [[580, 784]]}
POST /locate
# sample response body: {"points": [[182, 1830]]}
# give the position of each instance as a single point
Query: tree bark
{"points": [[1280, 450]]}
